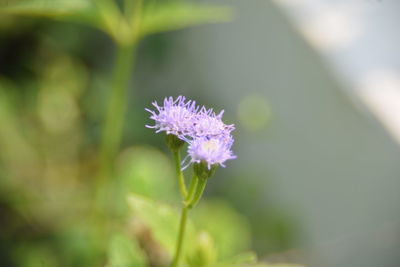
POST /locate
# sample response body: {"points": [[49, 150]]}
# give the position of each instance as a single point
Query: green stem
{"points": [[181, 235], [199, 192], [192, 188], [179, 174], [129, 7], [196, 190], [114, 117]]}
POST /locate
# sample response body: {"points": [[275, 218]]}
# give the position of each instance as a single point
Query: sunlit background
{"points": [[313, 87]]}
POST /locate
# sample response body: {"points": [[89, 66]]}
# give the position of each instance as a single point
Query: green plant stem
{"points": [[114, 117], [196, 190], [181, 235], [201, 185], [129, 7], [179, 174], [192, 188]]}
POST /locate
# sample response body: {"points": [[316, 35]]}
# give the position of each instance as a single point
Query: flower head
{"points": [[209, 124], [212, 151], [175, 117], [209, 138]]}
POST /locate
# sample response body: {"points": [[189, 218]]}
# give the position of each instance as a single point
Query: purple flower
{"points": [[209, 124], [214, 150], [209, 138], [175, 117]]}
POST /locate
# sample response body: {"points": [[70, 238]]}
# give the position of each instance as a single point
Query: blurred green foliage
{"points": [[49, 158], [158, 16]]}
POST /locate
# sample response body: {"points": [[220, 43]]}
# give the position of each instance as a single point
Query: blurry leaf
{"points": [[62, 81], [229, 229], [72, 10], [180, 14], [35, 255], [204, 253], [61, 72], [148, 172], [15, 147], [82, 243], [275, 265], [49, 8], [43, 7], [106, 15], [124, 252], [246, 258], [162, 220], [249, 259]]}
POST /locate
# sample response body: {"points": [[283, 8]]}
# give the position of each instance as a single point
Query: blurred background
{"points": [[313, 87]]}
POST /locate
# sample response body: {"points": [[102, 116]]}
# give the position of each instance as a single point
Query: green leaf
{"points": [[275, 265], [144, 171], [83, 11], [204, 253], [163, 222], [124, 252], [229, 229], [243, 259], [250, 259], [50, 8], [35, 255], [180, 14], [148, 172]]}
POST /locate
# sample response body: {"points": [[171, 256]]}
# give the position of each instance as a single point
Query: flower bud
{"points": [[174, 143], [203, 171]]}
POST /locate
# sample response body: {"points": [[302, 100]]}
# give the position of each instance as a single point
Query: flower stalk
{"points": [[124, 28], [113, 123], [192, 189], [195, 192], [179, 174], [201, 185], [114, 117], [196, 189], [209, 145], [175, 145], [181, 235]]}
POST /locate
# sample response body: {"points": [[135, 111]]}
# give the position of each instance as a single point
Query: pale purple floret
{"points": [[215, 150], [175, 117], [209, 124]]}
